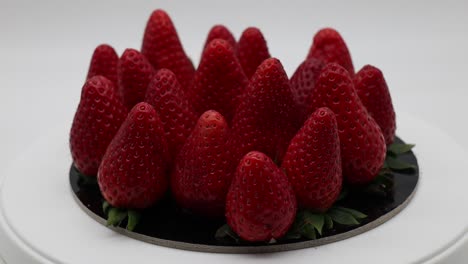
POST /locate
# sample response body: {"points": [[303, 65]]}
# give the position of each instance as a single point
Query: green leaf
{"points": [[398, 165], [224, 232], [397, 148], [115, 216], [307, 224], [315, 220], [342, 217], [133, 219], [385, 171], [308, 231], [328, 222], [356, 214], [105, 207]]}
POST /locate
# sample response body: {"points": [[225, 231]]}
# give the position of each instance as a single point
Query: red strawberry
{"points": [[203, 170], [167, 97], [313, 162], [162, 47], [104, 62], [303, 83], [330, 47], [373, 92], [219, 80], [362, 143], [260, 204], [266, 117], [99, 116], [252, 50], [220, 32], [133, 171], [134, 75]]}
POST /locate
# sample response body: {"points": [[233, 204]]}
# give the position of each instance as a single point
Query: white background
{"points": [[45, 48]]}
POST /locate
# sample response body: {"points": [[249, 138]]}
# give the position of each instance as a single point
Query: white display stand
{"points": [[40, 221]]}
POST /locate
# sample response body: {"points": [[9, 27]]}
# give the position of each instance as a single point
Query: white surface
{"points": [[46, 45], [50, 226]]}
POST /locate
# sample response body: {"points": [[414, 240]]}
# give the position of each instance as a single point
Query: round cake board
{"points": [[41, 223]]}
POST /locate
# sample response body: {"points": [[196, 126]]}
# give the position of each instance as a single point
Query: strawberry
{"points": [[313, 162], [260, 204], [165, 94], [362, 143], [134, 75], [303, 82], [99, 116], [329, 47], [220, 32], [373, 91], [266, 117], [203, 170], [133, 171], [252, 50], [104, 62], [219, 80], [162, 47]]}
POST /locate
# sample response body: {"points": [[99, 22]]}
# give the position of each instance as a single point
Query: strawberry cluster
{"points": [[234, 137]]}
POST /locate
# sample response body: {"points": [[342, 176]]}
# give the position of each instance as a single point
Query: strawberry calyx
{"points": [[392, 161], [85, 180], [117, 216], [312, 225], [226, 234], [396, 149]]}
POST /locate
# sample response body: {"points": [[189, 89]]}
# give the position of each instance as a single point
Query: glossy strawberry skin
{"points": [[372, 89], [219, 81], [220, 32], [260, 204], [303, 83], [165, 94], [104, 63], [203, 169], [134, 75], [97, 119], [266, 118], [252, 50], [162, 46], [313, 162], [362, 143], [329, 47], [133, 171]]}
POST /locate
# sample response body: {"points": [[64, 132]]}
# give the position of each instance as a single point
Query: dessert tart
{"points": [[234, 156]]}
